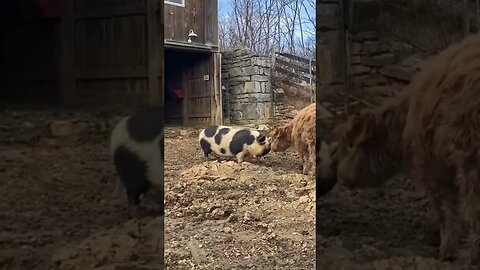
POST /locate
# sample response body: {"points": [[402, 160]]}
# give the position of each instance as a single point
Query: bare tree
{"points": [[263, 25]]}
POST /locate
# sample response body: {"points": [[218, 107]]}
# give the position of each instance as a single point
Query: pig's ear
{"points": [[261, 139], [263, 132]]}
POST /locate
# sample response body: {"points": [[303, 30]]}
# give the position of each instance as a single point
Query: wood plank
{"points": [[113, 73], [128, 37], [113, 11], [289, 73], [178, 18], [28, 75], [291, 84], [218, 89], [298, 58], [153, 47], [67, 58], [187, 85], [294, 66], [214, 22], [200, 21], [197, 115], [169, 21], [199, 96]]}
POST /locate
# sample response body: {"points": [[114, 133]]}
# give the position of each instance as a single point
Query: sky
{"points": [[224, 8]]}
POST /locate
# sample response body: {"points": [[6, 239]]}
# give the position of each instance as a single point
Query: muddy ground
{"points": [[225, 215], [57, 210]]}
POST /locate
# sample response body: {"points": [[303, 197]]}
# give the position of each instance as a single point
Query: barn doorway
{"points": [[189, 88]]}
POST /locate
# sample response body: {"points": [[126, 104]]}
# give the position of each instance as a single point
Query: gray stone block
{"points": [[249, 87], [260, 78], [235, 72], [241, 79], [252, 70]]}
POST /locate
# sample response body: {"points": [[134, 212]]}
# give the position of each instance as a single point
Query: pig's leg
{"points": [[240, 157], [157, 195], [133, 173], [206, 148]]}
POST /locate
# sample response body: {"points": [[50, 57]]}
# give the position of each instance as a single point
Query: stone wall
{"points": [[378, 65], [381, 66], [247, 93], [371, 62]]}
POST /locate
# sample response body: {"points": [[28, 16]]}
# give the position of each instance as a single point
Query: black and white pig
{"points": [[136, 147], [224, 141]]}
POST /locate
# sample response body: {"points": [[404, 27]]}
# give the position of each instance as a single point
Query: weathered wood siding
{"points": [[199, 15], [116, 52]]}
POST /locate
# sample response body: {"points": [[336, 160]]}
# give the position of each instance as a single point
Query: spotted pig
{"points": [[136, 147], [224, 141]]}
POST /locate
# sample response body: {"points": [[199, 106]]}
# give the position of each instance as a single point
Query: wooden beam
{"points": [[113, 11], [153, 52], [217, 82], [67, 58], [211, 87], [292, 65], [289, 73], [113, 73], [298, 58]]}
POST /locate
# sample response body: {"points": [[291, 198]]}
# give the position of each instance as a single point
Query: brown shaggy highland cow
{"points": [[301, 132], [434, 127]]}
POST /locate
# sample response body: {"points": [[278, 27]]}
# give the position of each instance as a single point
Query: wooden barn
{"points": [[192, 63], [82, 52]]}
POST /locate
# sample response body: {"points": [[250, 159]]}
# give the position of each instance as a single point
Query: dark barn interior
{"points": [[188, 93], [81, 53]]}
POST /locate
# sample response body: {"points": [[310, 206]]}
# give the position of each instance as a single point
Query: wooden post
{"points": [[153, 52], [218, 88], [67, 58], [310, 79], [161, 46]]}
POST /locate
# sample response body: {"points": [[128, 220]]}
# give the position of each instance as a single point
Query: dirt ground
{"points": [[225, 215], [57, 210]]}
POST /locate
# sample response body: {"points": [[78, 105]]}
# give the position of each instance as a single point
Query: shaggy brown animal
{"points": [[434, 127], [301, 132]]}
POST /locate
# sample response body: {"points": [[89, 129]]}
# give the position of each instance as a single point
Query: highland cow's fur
{"points": [[301, 132], [434, 126]]}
